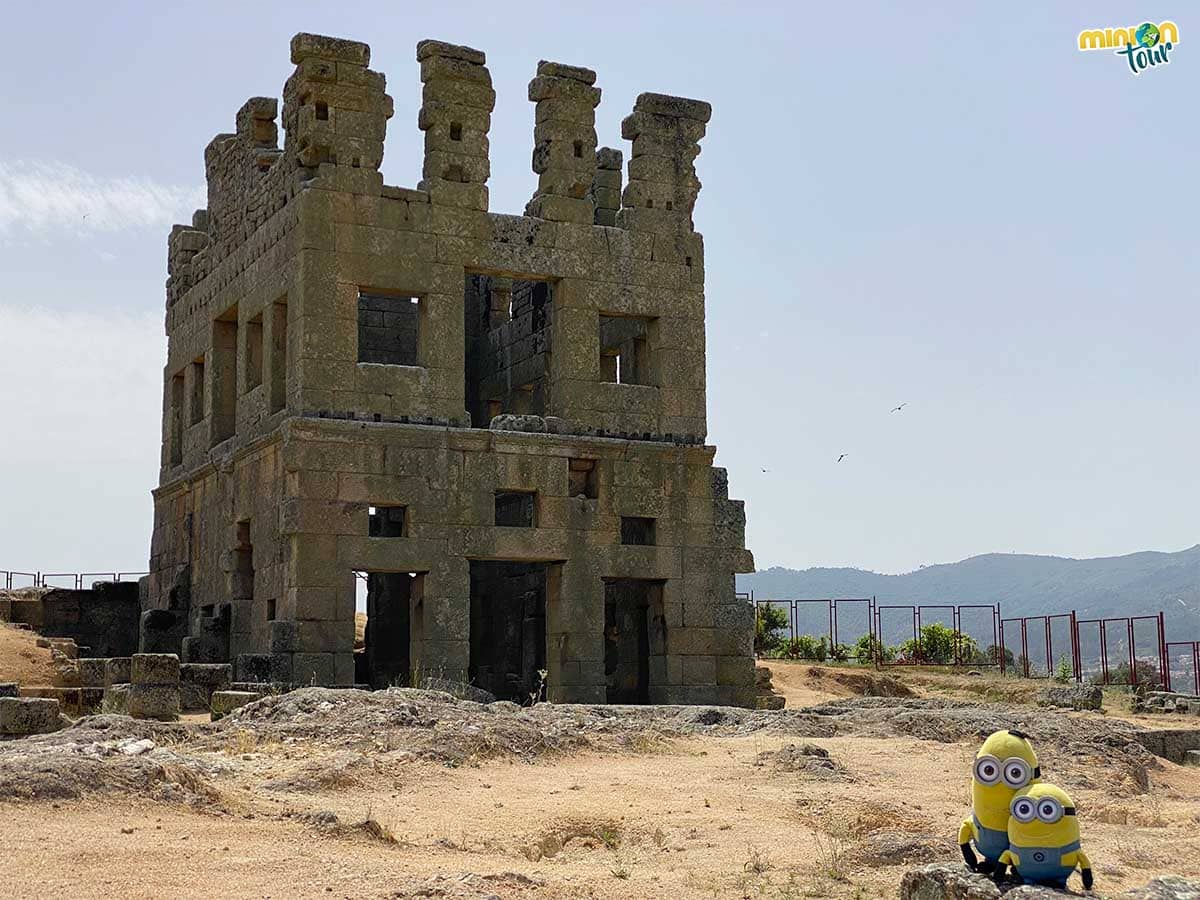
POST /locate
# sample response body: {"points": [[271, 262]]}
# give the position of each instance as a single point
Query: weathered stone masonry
{"points": [[499, 419]]}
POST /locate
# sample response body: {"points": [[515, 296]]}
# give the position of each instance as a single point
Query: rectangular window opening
{"points": [[388, 329], [254, 353], [637, 531], [271, 609], [516, 509], [387, 521], [224, 375], [624, 356], [175, 438], [582, 480], [278, 361], [196, 405], [506, 346]]}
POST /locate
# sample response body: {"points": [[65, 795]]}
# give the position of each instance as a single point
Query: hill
{"points": [[1024, 585]]}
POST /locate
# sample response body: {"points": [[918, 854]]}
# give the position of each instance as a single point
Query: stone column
{"points": [[663, 186], [456, 113], [564, 151]]}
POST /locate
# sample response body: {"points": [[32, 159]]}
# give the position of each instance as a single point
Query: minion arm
{"points": [[965, 832]]}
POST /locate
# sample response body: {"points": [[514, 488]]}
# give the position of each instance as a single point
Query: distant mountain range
{"points": [[1024, 585]]}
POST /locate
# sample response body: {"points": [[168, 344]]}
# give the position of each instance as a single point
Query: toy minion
{"points": [[1043, 838], [1004, 765]]}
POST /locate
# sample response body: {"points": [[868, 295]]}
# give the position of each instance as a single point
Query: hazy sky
{"points": [[950, 207]]}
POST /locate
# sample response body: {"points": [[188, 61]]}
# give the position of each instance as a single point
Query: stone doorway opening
{"points": [[633, 637], [387, 615], [508, 629]]}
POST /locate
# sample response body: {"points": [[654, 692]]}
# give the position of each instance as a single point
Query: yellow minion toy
{"points": [[1004, 765], [1043, 838]]}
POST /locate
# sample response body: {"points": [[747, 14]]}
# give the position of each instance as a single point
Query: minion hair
{"points": [[1018, 734]]}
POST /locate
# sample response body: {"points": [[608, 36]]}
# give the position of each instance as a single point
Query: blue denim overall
{"points": [[1044, 865]]}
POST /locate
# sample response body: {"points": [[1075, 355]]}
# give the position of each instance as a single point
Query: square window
{"points": [[387, 521], [637, 531], [582, 480], [624, 355], [388, 329], [516, 509]]}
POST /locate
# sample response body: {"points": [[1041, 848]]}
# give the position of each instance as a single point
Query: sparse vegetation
{"points": [[769, 624]]}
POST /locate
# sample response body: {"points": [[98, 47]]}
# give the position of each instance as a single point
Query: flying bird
{"points": [[843, 456], [766, 470], [900, 407]]}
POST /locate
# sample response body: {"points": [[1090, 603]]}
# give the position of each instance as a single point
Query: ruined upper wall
{"points": [[335, 112]]}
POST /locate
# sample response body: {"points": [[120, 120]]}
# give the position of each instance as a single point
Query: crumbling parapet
{"points": [[605, 192]]}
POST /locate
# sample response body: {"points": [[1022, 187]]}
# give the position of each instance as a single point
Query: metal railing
{"points": [[898, 636], [13, 580]]}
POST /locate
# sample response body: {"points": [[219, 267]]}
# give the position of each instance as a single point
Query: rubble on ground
{"points": [[1072, 696], [955, 882]]}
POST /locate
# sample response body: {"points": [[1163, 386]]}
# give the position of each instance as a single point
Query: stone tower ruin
{"points": [[492, 425]]}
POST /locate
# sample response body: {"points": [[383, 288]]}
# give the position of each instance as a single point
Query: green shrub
{"points": [[769, 623], [804, 647], [937, 645], [868, 648]]}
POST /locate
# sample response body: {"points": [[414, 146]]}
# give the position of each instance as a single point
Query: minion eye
{"points": [[1016, 773], [1049, 811], [987, 770], [1023, 810]]}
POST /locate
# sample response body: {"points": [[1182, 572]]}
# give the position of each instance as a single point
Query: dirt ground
{"points": [[699, 816], [22, 660]]}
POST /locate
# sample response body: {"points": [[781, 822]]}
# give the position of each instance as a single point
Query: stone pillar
{"points": [[154, 688], [606, 186], [456, 114], [335, 110], [564, 151], [663, 186]]}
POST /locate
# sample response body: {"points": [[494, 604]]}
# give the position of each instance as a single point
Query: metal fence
{"points": [[12, 579], [1131, 650]]}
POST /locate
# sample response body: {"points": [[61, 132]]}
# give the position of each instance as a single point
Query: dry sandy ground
{"points": [[22, 660], [690, 818]]}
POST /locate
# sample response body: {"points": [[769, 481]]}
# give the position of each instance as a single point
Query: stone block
{"points": [[116, 699], [198, 682], [118, 670], [91, 700], [264, 668], [313, 669], [69, 699], [9, 689], [24, 715], [154, 668], [306, 46], [285, 637], [92, 672], [225, 702], [154, 701], [698, 670]]}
